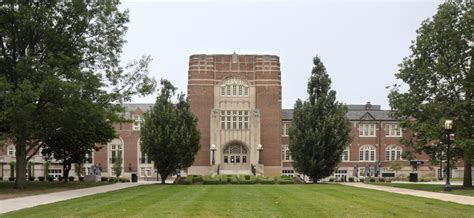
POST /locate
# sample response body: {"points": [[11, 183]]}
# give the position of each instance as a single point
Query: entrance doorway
{"points": [[235, 157]]}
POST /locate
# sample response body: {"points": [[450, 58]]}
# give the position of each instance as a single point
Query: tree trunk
{"points": [[66, 169], [467, 181], [20, 181], [163, 178]]}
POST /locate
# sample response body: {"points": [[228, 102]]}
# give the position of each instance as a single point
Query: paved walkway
{"points": [[460, 199], [13, 204]]}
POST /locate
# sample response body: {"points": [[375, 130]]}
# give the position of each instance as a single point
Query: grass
{"points": [[321, 200], [457, 189], [34, 188]]}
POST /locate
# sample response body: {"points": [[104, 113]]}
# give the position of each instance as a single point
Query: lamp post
{"points": [[213, 149], [259, 149], [448, 127]]}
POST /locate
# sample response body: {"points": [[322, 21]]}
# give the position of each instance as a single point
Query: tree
{"points": [[170, 136], [117, 167], [439, 77], [395, 166], [320, 129], [45, 45]]}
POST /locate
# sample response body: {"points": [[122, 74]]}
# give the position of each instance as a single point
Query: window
{"points": [[367, 153], [285, 128], [137, 122], [234, 87], [345, 154], [115, 152], [145, 171], [233, 119], [367, 130], [55, 172], [11, 150], [144, 158], [285, 153], [235, 153], [287, 173], [393, 152], [393, 130], [88, 159]]}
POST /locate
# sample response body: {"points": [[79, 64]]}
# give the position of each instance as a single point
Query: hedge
{"points": [[247, 179], [284, 180], [211, 180], [41, 178], [266, 179], [113, 179], [194, 178], [232, 179], [122, 179], [104, 179], [31, 178]]}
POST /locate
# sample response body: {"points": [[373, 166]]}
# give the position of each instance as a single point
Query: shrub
{"points": [[122, 179], [71, 178], [361, 179], [351, 179], [266, 180], [195, 178], [50, 178], [113, 179], [247, 179], [41, 178], [31, 178], [60, 178], [11, 179], [104, 179], [332, 179], [1, 178], [284, 179], [81, 179], [371, 179], [186, 181], [211, 180]]}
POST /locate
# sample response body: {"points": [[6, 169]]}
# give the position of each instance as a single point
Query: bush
{"points": [[371, 179], [31, 178], [104, 179], [332, 179], [50, 178], [113, 179], [211, 180], [361, 179], [1, 178], [41, 178], [11, 179], [122, 179], [247, 179], [60, 178], [232, 179], [81, 179], [195, 178], [186, 180], [71, 178], [381, 179], [284, 179], [266, 180], [351, 179]]}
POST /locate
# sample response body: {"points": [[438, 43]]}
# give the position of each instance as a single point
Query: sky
{"points": [[361, 43]]}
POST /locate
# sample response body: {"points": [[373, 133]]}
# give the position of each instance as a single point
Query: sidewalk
{"points": [[13, 204], [460, 199]]}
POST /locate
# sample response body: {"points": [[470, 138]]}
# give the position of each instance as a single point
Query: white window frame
{"points": [[288, 172], [367, 130], [285, 127], [234, 119], [146, 171], [286, 154], [393, 130], [368, 153], [11, 150], [137, 122], [55, 172], [345, 155], [393, 152]]}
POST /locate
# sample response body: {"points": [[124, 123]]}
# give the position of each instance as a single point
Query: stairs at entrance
{"points": [[235, 172]]}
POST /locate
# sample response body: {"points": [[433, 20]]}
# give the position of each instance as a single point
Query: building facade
{"points": [[237, 99]]}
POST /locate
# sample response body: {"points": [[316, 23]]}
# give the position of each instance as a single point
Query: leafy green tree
{"points": [[439, 78], [170, 136], [117, 167], [45, 45], [396, 166], [320, 129]]}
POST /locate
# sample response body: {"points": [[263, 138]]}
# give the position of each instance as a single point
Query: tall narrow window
{"points": [[393, 152], [367, 153]]}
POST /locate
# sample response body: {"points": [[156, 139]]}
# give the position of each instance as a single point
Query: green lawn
{"points": [[457, 189], [326, 200], [35, 188]]}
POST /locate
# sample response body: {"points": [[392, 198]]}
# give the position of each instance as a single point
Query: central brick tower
{"points": [[237, 99]]}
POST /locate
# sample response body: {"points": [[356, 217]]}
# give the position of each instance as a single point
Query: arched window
{"points": [[285, 153], [345, 154], [367, 153], [393, 152], [235, 153], [11, 150], [234, 87]]}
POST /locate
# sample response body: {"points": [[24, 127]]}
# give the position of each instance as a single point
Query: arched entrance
{"points": [[235, 156]]}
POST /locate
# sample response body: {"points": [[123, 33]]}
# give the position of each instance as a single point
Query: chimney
{"points": [[368, 106]]}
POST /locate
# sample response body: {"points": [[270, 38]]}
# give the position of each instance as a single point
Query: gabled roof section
{"points": [[367, 116]]}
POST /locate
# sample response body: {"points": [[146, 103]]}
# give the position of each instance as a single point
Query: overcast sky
{"points": [[360, 42]]}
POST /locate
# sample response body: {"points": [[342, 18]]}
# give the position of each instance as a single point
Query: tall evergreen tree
{"points": [[320, 129], [440, 81], [170, 136], [46, 44]]}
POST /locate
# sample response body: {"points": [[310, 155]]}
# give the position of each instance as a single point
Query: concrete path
{"points": [[460, 199], [13, 204]]}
